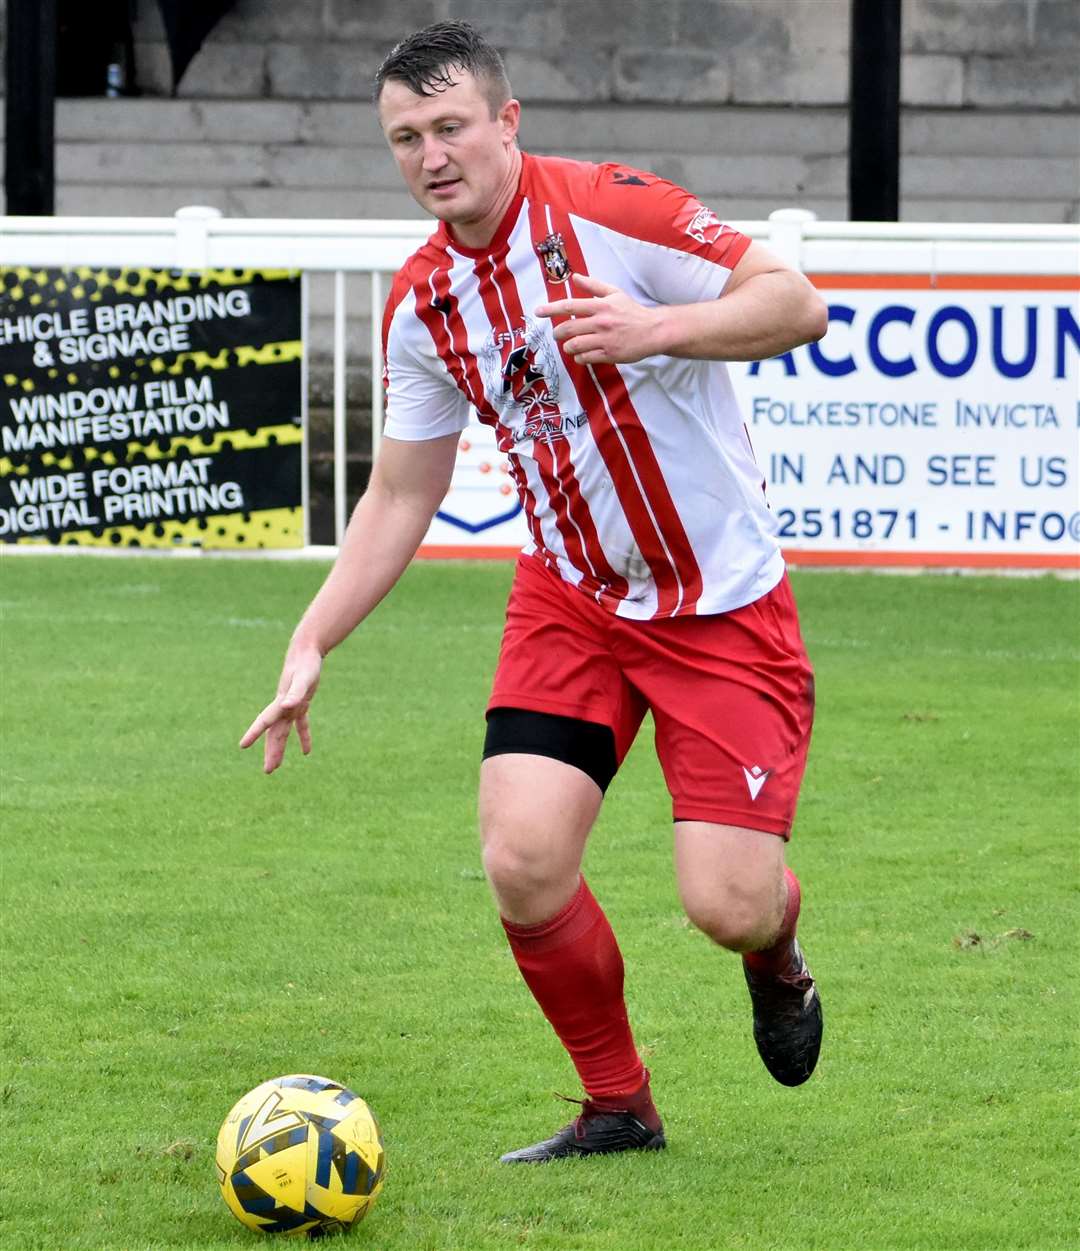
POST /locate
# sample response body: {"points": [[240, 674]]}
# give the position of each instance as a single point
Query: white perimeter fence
{"points": [[200, 237]]}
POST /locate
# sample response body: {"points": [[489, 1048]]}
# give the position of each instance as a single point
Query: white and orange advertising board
{"points": [[937, 423]]}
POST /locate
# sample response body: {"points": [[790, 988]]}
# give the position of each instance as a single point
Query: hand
{"points": [[609, 328], [296, 689]]}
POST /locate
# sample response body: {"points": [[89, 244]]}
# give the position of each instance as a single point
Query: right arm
{"points": [[408, 483]]}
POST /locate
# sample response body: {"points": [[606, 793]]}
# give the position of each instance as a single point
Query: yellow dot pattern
{"points": [[132, 281], [29, 289], [241, 440], [229, 358], [269, 528]]}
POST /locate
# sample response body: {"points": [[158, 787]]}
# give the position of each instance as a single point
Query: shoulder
{"points": [[418, 268], [635, 204], [608, 184], [557, 178], [581, 186], [412, 278]]}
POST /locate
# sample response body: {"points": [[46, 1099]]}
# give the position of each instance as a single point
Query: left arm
{"points": [[767, 308]]}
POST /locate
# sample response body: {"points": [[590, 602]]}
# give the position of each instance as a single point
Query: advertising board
{"points": [[936, 423], [150, 408]]}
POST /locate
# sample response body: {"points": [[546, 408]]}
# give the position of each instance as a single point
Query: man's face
{"points": [[454, 156]]}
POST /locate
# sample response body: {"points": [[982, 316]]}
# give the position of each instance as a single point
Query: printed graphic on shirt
{"points": [[553, 253], [705, 226], [521, 381]]}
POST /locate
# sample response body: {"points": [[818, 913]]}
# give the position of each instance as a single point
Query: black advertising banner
{"points": [[150, 408]]}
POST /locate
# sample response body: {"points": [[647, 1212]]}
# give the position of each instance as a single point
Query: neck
{"points": [[479, 232]]}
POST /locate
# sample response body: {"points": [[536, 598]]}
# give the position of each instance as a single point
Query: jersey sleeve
{"points": [[678, 248], [422, 401]]}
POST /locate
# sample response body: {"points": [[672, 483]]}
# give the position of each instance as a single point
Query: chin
{"points": [[452, 215], [456, 209]]}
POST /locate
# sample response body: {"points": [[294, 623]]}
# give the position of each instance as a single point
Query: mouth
{"points": [[443, 186]]}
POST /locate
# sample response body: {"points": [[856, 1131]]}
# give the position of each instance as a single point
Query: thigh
{"points": [[556, 657], [731, 881], [732, 697], [535, 818]]}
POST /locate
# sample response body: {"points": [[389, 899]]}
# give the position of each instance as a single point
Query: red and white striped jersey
{"points": [[638, 481]]}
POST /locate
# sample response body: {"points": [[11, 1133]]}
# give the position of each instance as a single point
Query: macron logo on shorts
{"points": [[755, 779]]}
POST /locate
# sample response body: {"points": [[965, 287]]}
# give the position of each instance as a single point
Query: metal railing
{"points": [[198, 237]]}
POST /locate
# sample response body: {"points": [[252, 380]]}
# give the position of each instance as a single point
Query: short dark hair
{"points": [[425, 60]]}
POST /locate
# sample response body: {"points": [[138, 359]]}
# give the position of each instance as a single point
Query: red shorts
{"points": [[732, 695]]}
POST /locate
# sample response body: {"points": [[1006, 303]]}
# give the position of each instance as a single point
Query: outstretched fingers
{"points": [[590, 341], [277, 736], [296, 689], [592, 285], [276, 721], [577, 306], [261, 724]]}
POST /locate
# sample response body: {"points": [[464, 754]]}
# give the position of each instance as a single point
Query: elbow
{"points": [[817, 318], [807, 314]]}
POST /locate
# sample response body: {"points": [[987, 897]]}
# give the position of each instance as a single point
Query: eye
{"points": [[451, 128]]}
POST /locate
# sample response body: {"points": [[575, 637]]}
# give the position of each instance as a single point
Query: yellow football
{"points": [[300, 1155]]}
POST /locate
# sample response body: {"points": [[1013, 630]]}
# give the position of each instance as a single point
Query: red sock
{"points": [[574, 969], [638, 1102], [776, 958]]}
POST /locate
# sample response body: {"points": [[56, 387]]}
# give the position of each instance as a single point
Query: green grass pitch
{"points": [[178, 927]]}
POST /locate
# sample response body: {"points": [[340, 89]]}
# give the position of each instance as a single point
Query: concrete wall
{"points": [[999, 54], [741, 100], [324, 159], [957, 53]]}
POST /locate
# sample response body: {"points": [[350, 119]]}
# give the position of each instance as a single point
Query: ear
{"points": [[509, 118]]}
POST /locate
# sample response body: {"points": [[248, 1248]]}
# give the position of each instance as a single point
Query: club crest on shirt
{"points": [[520, 373], [553, 253], [705, 226]]}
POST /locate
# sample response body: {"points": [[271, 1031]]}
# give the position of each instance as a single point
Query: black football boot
{"points": [[601, 1129], [787, 1019]]}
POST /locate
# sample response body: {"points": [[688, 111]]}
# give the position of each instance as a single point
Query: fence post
{"points": [[305, 415], [340, 408], [377, 414], [192, 235], [786, 227]]}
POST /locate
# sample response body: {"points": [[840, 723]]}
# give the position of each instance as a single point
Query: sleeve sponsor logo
{"points": [[705, 226]]}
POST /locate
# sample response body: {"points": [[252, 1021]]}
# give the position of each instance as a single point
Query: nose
{"points": [[434, 155]]}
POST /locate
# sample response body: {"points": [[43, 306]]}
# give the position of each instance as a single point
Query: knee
{"points": [[740, 917], [528, 887], [533, 824], [515, 869]]}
